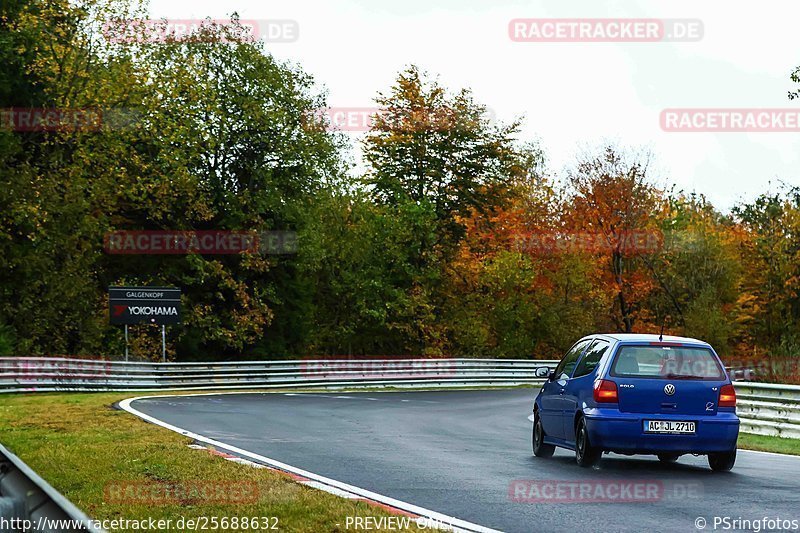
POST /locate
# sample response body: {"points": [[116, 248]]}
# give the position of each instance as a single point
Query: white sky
{"points": [[569, 94]]}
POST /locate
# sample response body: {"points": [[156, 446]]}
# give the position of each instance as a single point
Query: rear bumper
{"points": [[612, 430]]}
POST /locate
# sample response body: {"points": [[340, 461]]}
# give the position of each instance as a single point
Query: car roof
{"points": [[647, 337]]}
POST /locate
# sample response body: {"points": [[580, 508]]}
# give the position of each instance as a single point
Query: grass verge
{"points": [[85, 449], [763, 443]]}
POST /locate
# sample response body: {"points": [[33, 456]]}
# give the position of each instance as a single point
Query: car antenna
{"points": [[661, 335]]}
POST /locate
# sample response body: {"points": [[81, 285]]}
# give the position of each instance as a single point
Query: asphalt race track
{"points": [[457, 452]]}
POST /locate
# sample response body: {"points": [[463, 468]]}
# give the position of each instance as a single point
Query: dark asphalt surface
{"points": [[457, 452]]}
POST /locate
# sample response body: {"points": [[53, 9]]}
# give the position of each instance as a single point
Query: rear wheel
{"points": [[540, 449], [586, 455], [668, 457], [723, 461]]}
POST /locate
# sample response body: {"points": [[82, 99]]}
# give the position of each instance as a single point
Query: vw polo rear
{"points": [[665, 398]]}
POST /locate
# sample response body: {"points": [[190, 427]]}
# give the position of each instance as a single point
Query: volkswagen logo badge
{"points": [[669, 389]]}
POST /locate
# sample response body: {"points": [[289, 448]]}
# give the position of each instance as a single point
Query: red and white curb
{"points": [[425, 518]]}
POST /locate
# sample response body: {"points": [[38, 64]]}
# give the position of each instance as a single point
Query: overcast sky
{"points": [[569, 94]]}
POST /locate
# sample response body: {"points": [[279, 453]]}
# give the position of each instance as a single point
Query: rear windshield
{"points": [[667, 362]]}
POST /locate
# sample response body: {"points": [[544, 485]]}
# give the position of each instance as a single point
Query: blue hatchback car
{"points": [[638, 394]]}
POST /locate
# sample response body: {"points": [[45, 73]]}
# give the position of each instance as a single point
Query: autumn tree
{"points": [[612, 200], [511, 297]]}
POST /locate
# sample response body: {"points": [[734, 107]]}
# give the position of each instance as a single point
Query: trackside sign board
{"points": [[144, 305]]}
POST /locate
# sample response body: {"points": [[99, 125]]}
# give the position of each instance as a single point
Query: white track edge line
{"points": [[768, 453], [380, 498]]}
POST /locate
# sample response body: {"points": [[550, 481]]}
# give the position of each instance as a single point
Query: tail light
{"points": [[727, 396], [605, 391]]}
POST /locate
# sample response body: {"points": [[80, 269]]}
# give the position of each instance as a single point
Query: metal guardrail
{"points": [[29, 503], [35, 374], [765, 409], [769, 408]]}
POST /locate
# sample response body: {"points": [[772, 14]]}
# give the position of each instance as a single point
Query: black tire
{"points": [[722, 462], [668, 457], [540, 449], [586, 455]]}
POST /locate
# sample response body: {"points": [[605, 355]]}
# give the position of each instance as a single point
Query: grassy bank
{"points": [[86, 449], [763, 443]]}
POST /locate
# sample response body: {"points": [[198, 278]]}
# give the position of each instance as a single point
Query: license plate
{"points": [[680, 427]]}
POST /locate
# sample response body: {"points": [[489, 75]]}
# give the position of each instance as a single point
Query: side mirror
{"points": [[542, 372]]}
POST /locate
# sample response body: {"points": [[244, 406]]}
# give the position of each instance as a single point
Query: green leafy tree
{"points": [[698, 272], [795, 77], [434, 157], [214, 136], [770, 256], [428, 146]]}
